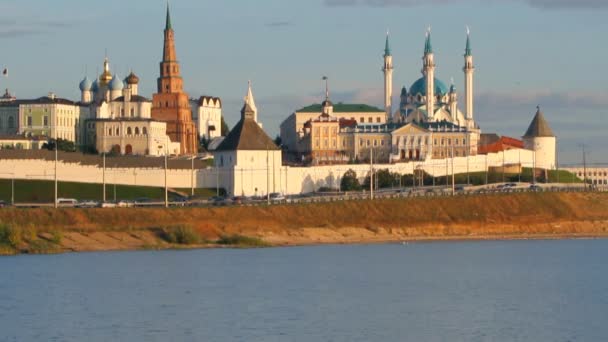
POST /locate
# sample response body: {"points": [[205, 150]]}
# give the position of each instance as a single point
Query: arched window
{"points": [[144, 131], [136, 130], [117, 131], [129, 149], [132, 112], [129, 131]]}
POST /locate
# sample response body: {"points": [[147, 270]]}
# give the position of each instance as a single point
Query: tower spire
{"points": [[249, 100], [467, 51], [387, 48], [325, 78], [168, 21], [428, 47]]}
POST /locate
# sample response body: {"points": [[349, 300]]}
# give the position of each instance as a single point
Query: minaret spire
{"points": [[469, 70], [387, 69], [387, 48], [428, 70]]}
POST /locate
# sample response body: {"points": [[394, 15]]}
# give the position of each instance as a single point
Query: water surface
{"points": [[456, 291]]}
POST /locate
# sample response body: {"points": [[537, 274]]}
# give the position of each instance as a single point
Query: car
{"points": [[67, 202], [3, 204], [534, 187], [87, 204], [277, 197], [125, 204]]}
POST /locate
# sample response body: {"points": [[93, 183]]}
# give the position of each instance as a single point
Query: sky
{"points": [[550, 53]]}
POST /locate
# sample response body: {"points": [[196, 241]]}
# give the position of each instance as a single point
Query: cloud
{"points": [[12, 28], [278, 24], [544, 4]]}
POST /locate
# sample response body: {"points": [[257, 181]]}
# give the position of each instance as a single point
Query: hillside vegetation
{"points": [[484, 216]]}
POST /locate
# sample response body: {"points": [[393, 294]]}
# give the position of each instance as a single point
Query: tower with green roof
{"points": [[428, 70], [469, 70], [387, 69]]}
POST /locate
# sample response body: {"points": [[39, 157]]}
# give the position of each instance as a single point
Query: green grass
{"points": [[479, 178], [40, 191], [241, 241]]}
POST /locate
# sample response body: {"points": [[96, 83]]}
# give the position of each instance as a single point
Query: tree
{"points": [[224, 128], [60, 144], [349, 181], [383, 179]]}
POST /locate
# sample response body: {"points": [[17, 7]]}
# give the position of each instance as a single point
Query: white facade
{"points": [[133, 137], [544, 148], [207, 113]]}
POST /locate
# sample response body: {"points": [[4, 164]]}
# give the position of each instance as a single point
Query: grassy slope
{"points": [[35, 191], [479, 211]]}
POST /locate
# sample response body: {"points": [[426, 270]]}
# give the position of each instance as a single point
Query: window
{"points": [[456, 141], [144, 131], [29, 121], [360, 142], [378, 119], [136, 130], [325, 143], [442, 141], [325, 130], [316, 142], [110, 131], [132, 112], [122, 112], [382, 142], [333, 143], [375, 142], [449, 141], [129, 132], [117, 131], [435, 142], [370, 119], [45, 120], [368, 142]]}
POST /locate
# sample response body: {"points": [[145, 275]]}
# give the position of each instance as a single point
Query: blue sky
{"points": [[527, 52]]}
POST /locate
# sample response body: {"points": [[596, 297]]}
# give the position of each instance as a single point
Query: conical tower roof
{"points": [[247, 135], [539, 127]]}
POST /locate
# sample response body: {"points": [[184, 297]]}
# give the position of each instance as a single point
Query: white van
{"points": [[66, 202]]}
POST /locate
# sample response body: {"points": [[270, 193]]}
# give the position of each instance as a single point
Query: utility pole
{"points": [[453, 185], [371, 173], [468, 152], [584, 167], [13, 189], [192, 177], [503, 166], [267, 176], [520, 167], [217, 181], [487, 170], [104, 176], [56, 157], [166, 184]]}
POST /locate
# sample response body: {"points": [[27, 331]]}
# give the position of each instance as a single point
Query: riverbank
{"points": [[495, 216]]}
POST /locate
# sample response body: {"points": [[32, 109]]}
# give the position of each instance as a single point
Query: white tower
{"points": [[540, 138], [251, 102], [388, 79], [468, 69], [428, 70], [453, 96]]}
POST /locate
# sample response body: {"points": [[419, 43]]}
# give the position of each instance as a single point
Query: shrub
{"points": [[9, 236], [183, 235], [241, 241]]}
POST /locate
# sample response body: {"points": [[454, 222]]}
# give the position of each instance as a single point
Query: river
{"points": [[443, 291]]}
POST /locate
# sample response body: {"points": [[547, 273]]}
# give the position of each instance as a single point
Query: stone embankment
{"points": [[492, 216]]}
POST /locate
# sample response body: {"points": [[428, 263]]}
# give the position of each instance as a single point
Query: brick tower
{"points": [[170, 104]]}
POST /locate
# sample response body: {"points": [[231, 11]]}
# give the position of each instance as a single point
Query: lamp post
{"points": [[192, 177], [104, 176]]}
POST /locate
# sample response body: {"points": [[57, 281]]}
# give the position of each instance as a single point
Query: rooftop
{"points": [[342, 108]]}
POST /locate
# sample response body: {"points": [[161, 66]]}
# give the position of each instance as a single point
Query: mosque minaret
{"points": [[388, 78]]}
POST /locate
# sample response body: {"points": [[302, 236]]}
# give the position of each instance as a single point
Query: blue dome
{"points": [[419, 87], [95, 86], [86, 85], [116, 83]]}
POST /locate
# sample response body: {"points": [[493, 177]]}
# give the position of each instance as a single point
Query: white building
{"points": [[119, 119], [540, 138], [248, 161], [207, 113]]}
